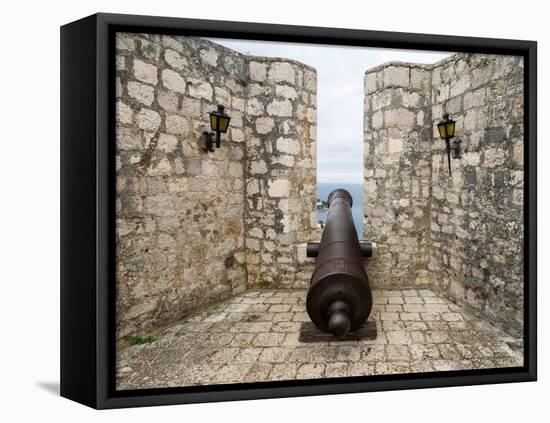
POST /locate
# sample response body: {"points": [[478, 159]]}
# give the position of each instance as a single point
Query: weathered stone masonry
{"points": [[397, 138], [195, 228], [462, 235], [281, 184], [256, 336]]}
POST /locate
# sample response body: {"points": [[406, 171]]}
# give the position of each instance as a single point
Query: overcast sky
{"points": [[340, 72]]}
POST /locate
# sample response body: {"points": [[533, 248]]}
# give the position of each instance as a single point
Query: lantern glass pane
{"points": [[442, 130], [451, 129], [213, 121], [224, 123]]}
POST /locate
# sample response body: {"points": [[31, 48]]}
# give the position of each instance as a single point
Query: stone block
{"points": [[281, 72], [310, 81], [470, 159], [281, 108], [237, 135], [258, 71], [160, 168], [396, 77], [167, 143], [518, 153], [148, 120], [254, 107], [168, 100], [176, 124], [191, 107], [173, 81], [395, 145], [150, 50], [399, 118], [124, 113], [398, 337], [411, 100], [145, 72], [209, 56], [474, 98], [222, 96], [371, 83], [129, 139], [377, 120], [285, 160], [470, 120], [461, 85], [125, 42], [258, 167], [279, 188], [420, 78], [238, 104], [175, 60], [143, 93], [200, 89], [311, 115], [179, 166], [118, 87], [420, 118], [286, 92], [494, 157], [264, 125], [287, 145]]}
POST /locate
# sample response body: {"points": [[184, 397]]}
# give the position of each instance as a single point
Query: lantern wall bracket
{"points": [[456, 148], [208, 143]]}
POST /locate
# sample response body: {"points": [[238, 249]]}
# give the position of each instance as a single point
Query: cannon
{"points": [[339, 299]]}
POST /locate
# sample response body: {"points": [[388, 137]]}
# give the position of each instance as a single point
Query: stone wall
{"points": [[281, 183], [397, 142], [477, 215], [462, 235], [191, 226]]}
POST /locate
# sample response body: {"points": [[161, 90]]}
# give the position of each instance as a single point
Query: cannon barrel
{"points": [[367, 248], [339, 299]]}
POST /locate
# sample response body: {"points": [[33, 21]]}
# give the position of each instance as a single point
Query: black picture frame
{"points": [[88, 212]]}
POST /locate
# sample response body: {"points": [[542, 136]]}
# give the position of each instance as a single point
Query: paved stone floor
{"points": [[267, 335]]}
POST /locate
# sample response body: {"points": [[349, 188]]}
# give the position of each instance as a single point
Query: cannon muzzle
{"points": [[339, 299]]}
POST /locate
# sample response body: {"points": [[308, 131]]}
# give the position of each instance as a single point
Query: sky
{"points": [[340, 72]]}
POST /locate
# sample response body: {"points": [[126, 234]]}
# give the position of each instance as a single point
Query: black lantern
{"points": [[219, 122], [446, 129]]}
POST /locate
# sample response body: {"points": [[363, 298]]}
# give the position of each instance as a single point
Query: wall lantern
{"points": [[446, 129], [219, 122]]}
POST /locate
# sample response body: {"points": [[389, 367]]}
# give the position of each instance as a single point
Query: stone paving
{"points": [[260, 336]]}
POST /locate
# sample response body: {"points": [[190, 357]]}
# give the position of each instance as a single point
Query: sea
{"points": [[356, 191]]}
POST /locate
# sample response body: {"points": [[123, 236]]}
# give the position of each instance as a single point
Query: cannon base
{"points": [[339, 303]]}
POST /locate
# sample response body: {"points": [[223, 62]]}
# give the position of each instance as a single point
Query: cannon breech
{"points": [[339, 299]]}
